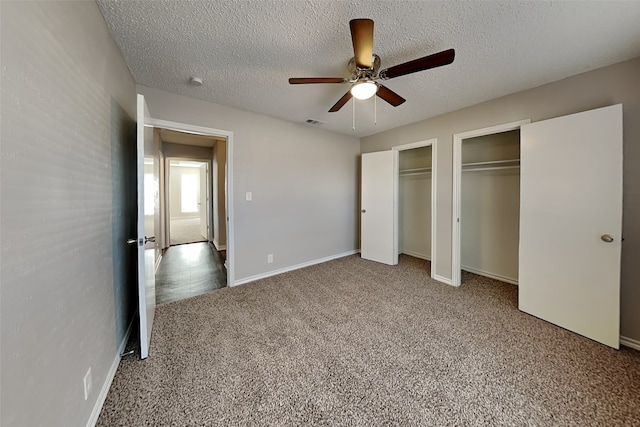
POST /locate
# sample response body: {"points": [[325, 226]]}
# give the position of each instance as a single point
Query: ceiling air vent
{"points": [[314, 122]]}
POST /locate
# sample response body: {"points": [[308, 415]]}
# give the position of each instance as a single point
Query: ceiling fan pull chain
{"points": [[354, 115], [375, 110]]}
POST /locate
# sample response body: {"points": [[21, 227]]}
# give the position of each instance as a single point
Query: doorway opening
{"points": [[414, 223], [193, 195], [188, 199], [486, 202]]}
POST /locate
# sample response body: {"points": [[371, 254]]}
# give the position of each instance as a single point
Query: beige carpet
{"points": [[185, 230], [352, 342]]}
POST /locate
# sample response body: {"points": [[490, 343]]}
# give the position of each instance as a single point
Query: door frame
{"points": [[200, 130], [167, 196], [396, 193], [456, 267]]}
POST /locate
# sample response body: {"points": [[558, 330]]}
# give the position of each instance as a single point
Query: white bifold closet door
{"points": [[377, 203], [571, 222]]}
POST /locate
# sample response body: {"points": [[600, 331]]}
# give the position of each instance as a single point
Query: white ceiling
{"points": [[245, 51]]}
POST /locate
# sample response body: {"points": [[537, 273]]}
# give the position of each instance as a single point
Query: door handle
{"points": [[151, 239], [364, 211], [606, 238], [132, 241]]}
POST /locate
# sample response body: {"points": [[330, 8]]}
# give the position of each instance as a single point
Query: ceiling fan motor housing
{"points": [[358, 73]]}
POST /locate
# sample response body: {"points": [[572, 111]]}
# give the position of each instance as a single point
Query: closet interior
{"points": [[490, 205], [414, 202]]}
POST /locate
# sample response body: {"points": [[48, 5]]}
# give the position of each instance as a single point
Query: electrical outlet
{"points": [[249, 196], [88, 383], [270, 258]]}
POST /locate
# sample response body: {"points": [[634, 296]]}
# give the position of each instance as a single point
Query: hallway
{"points": [[189, 270]]}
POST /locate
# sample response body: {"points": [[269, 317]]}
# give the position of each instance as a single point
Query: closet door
{"points": [[377, 215], [571, 222]]}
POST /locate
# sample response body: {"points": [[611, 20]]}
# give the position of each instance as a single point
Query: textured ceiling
{"points": [[245, 51]]}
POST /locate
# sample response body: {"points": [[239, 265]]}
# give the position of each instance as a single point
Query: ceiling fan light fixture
{"points": [[364, 90]]}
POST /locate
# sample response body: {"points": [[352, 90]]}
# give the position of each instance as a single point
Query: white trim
{"points": [[457, 179], [293, 267], [434, 201], [104, 391], [440, 278], [433, 142], [218, 246], [412, 145], [187, 128], [490, 275], [167, 195], [200, 130], [417, 255], [396, 205], [629, 342], [228, 170]]}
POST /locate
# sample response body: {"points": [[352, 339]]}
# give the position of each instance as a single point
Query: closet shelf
{"points": [[492, 165]]}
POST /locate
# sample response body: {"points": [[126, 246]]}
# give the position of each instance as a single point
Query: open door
{"points": [[148, 211], [378, 213], [571, 222]]}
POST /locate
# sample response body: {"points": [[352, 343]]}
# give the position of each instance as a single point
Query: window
{"points": [[189, 202]]}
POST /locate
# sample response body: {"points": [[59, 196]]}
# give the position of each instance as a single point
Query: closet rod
{"points": [[490, 169], [415, 173], [415, 170]]}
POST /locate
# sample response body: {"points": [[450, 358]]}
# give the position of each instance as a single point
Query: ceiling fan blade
{"points": [[362, 37], [432, 61], [390, 96], [306, 80], [338, 105]]}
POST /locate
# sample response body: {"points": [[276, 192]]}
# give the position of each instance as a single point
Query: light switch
{"points": [[249, 196]]}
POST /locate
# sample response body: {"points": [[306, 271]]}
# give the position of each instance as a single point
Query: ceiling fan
{"points": [[365, 65]]}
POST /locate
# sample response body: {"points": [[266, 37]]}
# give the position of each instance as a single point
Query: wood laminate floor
{"points": [[189, 270]]}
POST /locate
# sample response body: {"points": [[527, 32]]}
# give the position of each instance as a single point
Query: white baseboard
{"points": [[490, 275], [630, 342], [442, 279], [97, 408], [218, 246], [416, 255], [293, 267]]}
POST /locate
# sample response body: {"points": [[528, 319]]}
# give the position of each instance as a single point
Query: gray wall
{"points": [[68, 102], [606, 86], [304, 183]]}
